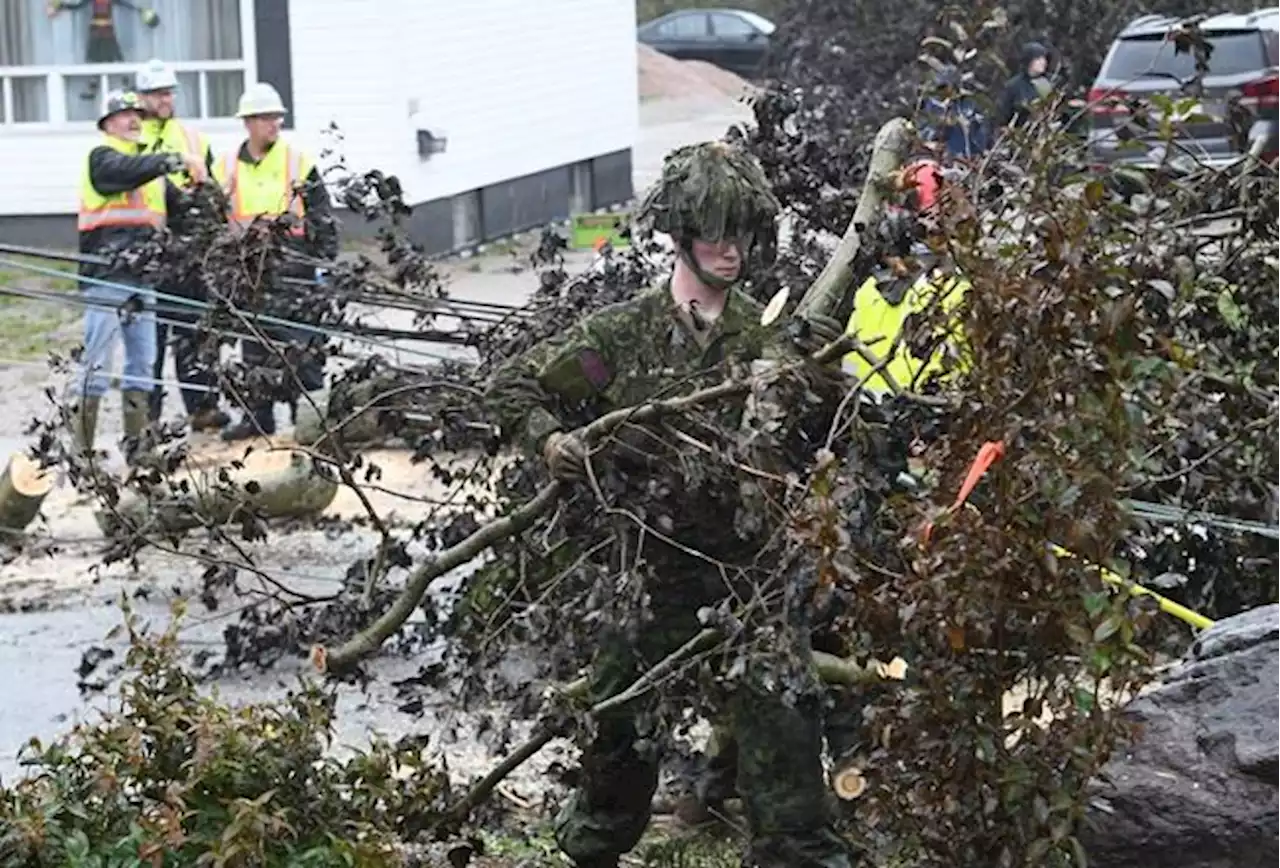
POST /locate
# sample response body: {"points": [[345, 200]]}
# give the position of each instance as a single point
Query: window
{"points": [[691, 26], [1234, 52], [732, 26], [56, 65]]}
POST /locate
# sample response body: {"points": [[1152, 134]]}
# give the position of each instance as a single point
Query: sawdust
{"points": [[663, 77]]}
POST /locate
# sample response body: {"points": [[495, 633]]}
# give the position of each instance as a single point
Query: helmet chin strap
{"points": [[715, 281]]}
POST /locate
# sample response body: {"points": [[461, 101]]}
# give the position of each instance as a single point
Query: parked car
{"points": [[1236, 111], [730, 38]]}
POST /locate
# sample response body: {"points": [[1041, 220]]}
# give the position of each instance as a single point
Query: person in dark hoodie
{"points": [[1030, 84]]}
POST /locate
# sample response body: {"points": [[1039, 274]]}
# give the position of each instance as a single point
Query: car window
{"points": [[764, 25], [1234, 52], [691, 26], [731, 26]]}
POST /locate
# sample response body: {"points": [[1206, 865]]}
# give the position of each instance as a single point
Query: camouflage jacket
{"points": [[622, 355]]}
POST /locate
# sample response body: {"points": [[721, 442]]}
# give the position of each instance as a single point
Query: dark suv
{"points": [[1236, 111]]}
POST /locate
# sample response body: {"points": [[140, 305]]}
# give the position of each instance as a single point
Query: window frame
{"points": [[55, 77]]}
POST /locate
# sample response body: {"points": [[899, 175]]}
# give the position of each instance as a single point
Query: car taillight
{"points": [[1264, 93], [1103, 101]]}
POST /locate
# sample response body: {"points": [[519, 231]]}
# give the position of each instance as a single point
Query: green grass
{"points": [[20, 277], [30, 329]]}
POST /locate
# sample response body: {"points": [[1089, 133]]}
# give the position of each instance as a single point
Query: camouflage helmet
{"points": [[713, 191]]}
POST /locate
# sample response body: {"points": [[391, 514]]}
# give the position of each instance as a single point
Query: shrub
{"points": [[172, 778]]}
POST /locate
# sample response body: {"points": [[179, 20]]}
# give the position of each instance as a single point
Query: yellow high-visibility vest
{"points": [[876, 323], [141, 206], [173, 137], [265, 188]]}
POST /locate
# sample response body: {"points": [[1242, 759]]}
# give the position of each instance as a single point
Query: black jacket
{"points": [[113, 172], [1015, 100]]}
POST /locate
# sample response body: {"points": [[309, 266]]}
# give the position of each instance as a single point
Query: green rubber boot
{"points": [[84, 424], [137, 425]]}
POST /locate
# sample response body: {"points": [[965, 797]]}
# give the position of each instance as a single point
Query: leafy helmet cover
{"points": [[712, 191]]}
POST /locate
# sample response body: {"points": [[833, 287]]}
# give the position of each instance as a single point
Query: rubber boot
{"points": [[137, 423], [155, 403], [208, 419], [84, 424], [262, 421]]}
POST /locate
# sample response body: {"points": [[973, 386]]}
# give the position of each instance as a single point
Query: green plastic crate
{"points": [[588, 230]]}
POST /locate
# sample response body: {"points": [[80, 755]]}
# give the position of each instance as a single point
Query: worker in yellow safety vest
{"points": [[124, 200], [163, 133], [267, 177], [884, 305]]}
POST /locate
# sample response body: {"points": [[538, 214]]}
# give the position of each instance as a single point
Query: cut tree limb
{"points": [[832, 670], [544, 733], [299, 489], [23, 488], [359, 428], [370, 639], [825, 297]]}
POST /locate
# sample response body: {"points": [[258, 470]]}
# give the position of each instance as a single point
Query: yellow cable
{"points": [[1177, 610]]}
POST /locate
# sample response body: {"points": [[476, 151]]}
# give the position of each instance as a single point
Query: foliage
{"points": [[1113, 352], [1079, 332], [176, 778]]}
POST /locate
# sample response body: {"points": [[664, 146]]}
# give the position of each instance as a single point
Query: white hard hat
{"points": [[260, 99], [156, 75]]}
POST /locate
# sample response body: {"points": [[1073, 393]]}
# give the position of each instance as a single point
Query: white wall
{"points": [[517, 86]]}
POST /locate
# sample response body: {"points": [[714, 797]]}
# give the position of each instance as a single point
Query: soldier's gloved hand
{"points": [[566, 456], [825, 328]]}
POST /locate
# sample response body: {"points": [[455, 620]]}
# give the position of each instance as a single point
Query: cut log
{"points": [[346, 412], [271, 484], [23, 488], [827, 295], [848, 783], [308, 425]]}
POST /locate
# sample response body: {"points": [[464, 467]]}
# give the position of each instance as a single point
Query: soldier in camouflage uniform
{"points": [[715, 203]]}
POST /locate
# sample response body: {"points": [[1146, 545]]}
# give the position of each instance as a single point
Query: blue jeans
{"points": [[103, 324]]}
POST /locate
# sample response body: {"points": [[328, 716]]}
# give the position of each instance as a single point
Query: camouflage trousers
{"points": [[778, 770], [717, 779]]}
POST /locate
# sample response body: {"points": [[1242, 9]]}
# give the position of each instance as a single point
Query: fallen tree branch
{"points": [[370, 639], [825, 295], [830, 668], [545, 732]]}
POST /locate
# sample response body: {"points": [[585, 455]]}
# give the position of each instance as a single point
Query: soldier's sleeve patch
{"points": [[577, 374], [594, 368]]}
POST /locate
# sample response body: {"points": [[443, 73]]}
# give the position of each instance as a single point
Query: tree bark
{"points": [[827, 294], [297, 490], [23, 488]]}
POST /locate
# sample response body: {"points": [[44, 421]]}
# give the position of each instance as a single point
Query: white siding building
{"points": [[535, 101]]}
